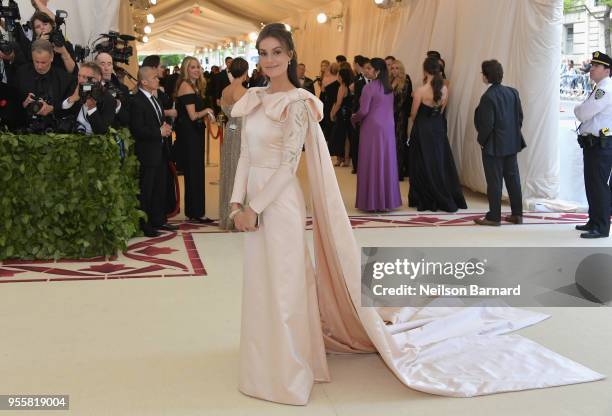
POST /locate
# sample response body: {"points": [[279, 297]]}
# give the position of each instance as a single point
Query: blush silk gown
{"points": [[281, 349], [294, 311]]}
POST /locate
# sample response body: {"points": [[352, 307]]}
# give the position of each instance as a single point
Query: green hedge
{"points": [[66, 196]]}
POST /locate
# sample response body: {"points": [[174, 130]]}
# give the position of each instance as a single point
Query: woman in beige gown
{"points": [[230, 147], [292, 313]]}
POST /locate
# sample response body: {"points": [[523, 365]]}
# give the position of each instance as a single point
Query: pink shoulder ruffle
{"points": [[276, 105]]}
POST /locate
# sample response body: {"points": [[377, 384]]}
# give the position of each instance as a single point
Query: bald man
{"points": [[119, 90], [149, 130]]}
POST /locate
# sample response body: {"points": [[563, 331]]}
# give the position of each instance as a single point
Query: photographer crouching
{"points": [[91, 104], [43, 88]]}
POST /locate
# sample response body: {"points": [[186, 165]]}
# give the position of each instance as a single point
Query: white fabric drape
{"points": [[86, 19], [524, 35]]}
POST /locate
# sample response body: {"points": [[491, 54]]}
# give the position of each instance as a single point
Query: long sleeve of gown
{"points": [[242, 170], [295, 130], [364, 104]]}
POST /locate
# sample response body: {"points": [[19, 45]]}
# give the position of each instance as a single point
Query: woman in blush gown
{"points": [[434, 182], [290, 318], [377, 180]]}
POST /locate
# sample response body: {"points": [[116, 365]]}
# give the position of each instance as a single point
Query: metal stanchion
{"points": [[208, 164]]}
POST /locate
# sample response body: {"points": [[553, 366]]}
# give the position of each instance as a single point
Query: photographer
{"points": [[93, 106], [42, 87], [116, 88], [44, 28]]}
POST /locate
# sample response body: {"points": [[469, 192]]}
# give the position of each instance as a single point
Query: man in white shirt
{"points": [[94, 108]]}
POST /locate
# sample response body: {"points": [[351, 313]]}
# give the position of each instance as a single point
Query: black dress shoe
{"points": [[167, 227], [354, 171], [584, 227], [151, 233], [514, 219], [593, 234], [484, 221], [203, 220]]}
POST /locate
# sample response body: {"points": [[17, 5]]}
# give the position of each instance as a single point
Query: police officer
{"points": [[595, 138]]}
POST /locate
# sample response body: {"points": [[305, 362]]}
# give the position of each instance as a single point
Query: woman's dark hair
{"points": [[432, 67], [280, 33], [442, 67], [493, 71], [383, 75], [43, 17], [346, 75], [239, 67]]}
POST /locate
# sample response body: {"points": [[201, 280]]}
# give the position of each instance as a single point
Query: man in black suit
{"points": [[149, 130], [498, 119], [305, 82], [11, 114], [93, 111], [360, 82], [220, 81]]}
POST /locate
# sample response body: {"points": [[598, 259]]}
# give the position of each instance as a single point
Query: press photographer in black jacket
{"points": [[92, 106], [116, 88], [42, 88]]}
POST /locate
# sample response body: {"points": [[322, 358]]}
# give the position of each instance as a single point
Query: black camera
{"points": [[11, 15], [6, 47], [113, 90], [10, 12], [35, 106], [81, 52], [116, 45], [56, 37], [91, 89]]}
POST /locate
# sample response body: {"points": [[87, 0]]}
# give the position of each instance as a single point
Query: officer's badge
{"points": [[595, 54], [599, 94]]}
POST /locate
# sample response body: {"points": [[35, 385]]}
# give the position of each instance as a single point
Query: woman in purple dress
{"points": [[377, 181]]}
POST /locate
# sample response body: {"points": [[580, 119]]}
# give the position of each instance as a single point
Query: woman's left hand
{"points": [[246, 220]]}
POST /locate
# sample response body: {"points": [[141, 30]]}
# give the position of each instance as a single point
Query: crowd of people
{"points": [[575, 81], [365, 118]]}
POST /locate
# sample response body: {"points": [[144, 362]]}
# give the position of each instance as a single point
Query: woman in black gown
{"points": [[340, 116], [402, 103], [328, 95], [191, 108], [434, 183]]}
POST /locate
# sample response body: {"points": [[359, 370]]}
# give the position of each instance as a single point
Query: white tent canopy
{"points": [[190, 24]]}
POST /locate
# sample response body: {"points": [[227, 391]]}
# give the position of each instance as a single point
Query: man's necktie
{"points": [[160, 115]]}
